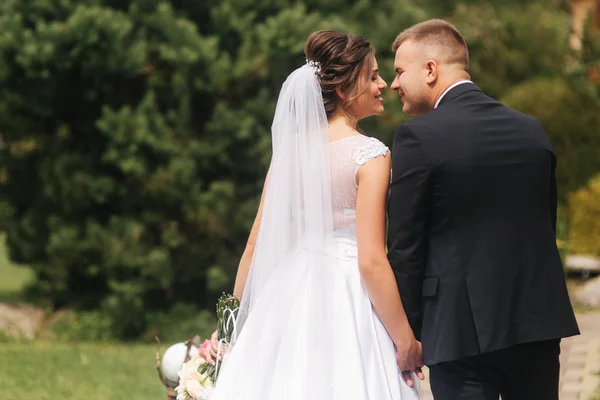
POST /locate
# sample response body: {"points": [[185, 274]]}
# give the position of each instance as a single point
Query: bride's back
{"points": [[347, 156]]}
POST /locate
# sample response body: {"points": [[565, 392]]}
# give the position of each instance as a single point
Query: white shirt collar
{"points": [[449, 89]]}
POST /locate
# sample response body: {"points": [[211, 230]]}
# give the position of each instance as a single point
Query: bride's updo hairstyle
{"points": [[343, 59]]}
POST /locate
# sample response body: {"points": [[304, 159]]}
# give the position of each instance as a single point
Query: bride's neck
{"points": [[341, 126]]}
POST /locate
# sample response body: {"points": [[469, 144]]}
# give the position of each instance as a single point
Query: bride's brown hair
{"points": [[343, 58]]}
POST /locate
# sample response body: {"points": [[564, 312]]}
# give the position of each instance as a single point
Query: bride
{"points": [[322, 318]]}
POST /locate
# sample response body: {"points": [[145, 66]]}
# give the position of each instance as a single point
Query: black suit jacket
{"points": [[472, 217]]}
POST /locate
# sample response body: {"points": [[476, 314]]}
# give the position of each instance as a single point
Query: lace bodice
{"points": [[347, 156]]}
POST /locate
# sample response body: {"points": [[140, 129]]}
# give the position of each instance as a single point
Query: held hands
{"points": [[213, 349], [409, 356]]}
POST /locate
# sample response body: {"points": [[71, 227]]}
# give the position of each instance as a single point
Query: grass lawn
{"points": [[51, 370], [12, 277], [86, 371]]}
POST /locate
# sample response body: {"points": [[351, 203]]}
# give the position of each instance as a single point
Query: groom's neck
{"points": [[448, 81]]}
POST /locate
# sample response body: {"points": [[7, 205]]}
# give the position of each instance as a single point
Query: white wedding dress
{"points": [[313, 333]]}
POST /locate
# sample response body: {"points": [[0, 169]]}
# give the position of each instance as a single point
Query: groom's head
{"points": [[430, 56]]}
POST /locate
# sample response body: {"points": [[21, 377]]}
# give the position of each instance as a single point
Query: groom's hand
{"points": [[409, 355]]}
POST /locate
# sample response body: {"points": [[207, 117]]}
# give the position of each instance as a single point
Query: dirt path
{"points": [[20, 320]]}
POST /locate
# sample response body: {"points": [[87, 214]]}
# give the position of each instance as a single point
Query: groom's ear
{"points": [[432, 71]]}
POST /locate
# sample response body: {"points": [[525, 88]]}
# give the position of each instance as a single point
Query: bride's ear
{"points": [[340, 94]]}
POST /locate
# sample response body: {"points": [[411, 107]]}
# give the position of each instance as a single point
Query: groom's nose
{"points": [[395, 85]]}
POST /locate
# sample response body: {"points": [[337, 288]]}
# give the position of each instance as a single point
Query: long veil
{"points": [[288, 275], [297, 209]]}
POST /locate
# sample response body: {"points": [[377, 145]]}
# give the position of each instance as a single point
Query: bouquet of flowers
{"points": [[197, 377]]}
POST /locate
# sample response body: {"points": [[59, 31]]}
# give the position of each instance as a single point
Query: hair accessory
{"points": [[315, 65]]}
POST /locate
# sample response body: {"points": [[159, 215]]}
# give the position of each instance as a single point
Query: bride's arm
{"points": [[244, 265], [245, 261], [376, 273]]}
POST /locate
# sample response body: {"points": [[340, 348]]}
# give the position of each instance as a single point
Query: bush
{"points": [[124, 309], [584, 211], [181, 322], [120, 156], [68, 325], [562, 231], [571, 121]]}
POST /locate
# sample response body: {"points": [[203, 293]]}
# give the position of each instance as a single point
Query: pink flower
{"points": [[204, 352], [206, 345]]}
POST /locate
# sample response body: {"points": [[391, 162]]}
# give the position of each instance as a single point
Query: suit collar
{"points": [[458, 91]]}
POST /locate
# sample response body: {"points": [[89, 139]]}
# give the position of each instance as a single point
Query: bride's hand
{"points": [[214, 344], [409, 356]]}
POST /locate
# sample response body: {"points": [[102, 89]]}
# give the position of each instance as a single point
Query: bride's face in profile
{"points": [[371, 86]]}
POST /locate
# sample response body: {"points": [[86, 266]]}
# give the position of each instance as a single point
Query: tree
{"points": [[584, 210], [571, 121], [116, 186]]}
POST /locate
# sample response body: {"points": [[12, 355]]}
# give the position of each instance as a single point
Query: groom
{"points": [[472, 218]]}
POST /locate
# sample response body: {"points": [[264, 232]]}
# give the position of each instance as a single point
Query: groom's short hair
{"points": [[440, 33]]}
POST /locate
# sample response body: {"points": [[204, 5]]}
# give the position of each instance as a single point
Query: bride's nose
{"points": [[382, 84]]}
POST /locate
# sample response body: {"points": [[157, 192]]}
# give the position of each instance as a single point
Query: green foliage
{"points": [[507, 49], [180, 322], [74, 326], [584, 66], [15, 278], [584, 208], [562, 231], [136, 133], [6, 338], [117, 187], [124, 307], [571, 121]]}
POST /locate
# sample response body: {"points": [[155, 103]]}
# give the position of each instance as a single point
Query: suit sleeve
{"points": [[408, 221]]}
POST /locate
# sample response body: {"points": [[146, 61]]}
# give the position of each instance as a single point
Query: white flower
{"points": [[198, 391], [204, 393], [193, 387], [184, 371], [182, 396], [192, 383]]}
